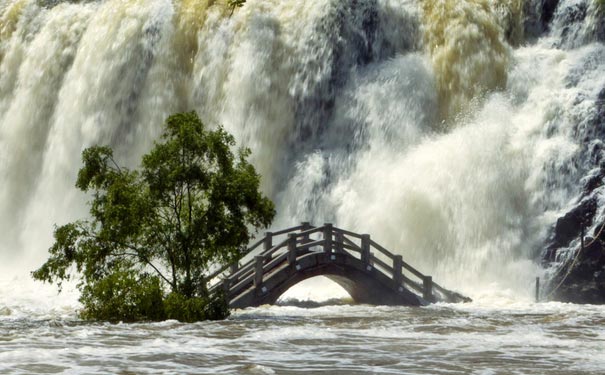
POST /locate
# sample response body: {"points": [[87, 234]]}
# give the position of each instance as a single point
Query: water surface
{"points": [[546, 338]]}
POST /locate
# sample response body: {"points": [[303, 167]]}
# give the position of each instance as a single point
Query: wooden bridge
{"points": [[367, 271]]}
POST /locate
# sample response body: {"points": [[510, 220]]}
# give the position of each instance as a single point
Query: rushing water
{"points": [[536, 339], [40, 333], [453, 131]]}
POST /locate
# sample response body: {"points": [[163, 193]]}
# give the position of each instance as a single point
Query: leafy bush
{"points": [[184, 309], [123, 296]]}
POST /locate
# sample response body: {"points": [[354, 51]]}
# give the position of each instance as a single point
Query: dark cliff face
{"points": [[580, 277], [542, 16], [580, 274], [578, 266], [538, 15]]}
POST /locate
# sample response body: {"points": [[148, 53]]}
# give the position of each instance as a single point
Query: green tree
{"points": [[155, 232]]}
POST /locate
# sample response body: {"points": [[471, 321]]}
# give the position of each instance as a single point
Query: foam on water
{"points": [[529, 339]]}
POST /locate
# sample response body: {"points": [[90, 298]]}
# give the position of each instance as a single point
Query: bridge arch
{"points": [[367, 271], [364, 283]]}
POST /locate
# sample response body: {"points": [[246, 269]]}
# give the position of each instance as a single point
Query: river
{"points": [[544, 338], [41, 334]]}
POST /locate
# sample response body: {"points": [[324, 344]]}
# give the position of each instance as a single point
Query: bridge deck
{"points": [[367, 271]]}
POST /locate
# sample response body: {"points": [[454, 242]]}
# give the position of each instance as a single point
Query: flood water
{"points": [[508, 338]]}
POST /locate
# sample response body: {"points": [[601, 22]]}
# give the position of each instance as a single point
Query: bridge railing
{"points": [[266, 241], [288, 244]]}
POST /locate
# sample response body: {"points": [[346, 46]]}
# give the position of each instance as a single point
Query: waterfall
{"points": [[448, 130]]}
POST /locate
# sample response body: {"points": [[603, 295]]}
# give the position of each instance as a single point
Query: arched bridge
{"points": [[367, 271]]}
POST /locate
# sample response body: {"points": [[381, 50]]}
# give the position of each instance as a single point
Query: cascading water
{"points": [[430, 124], [456, 133]]}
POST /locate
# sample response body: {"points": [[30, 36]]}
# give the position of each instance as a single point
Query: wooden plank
{"points": [[275, 263], [338, 242], [385, 267], [259, 263], [287, 230], [254, 246], [327, 238], [354, 249], [237, 288], [412, 284], [247, 272], [311, 244], [243, 270], [216, 273], [248, 267], [232, 282], [397, 272], [381, 249], [427, 288], [347, 241], [439, 288], [247, 251], [292, 250], [279, 246], [411, 269], [346, 232], [310, 231], [268, 243], [305, 227], [365, 249]]}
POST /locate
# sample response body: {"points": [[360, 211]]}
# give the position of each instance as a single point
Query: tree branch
{"points": [[147, 261]]}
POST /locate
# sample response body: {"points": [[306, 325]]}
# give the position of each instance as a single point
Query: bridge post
{"points": [[339, 245], [328, 238], [268, 240], [234, 267], [365, 248], [305, 225], [258, 270], [397, 265], [226, 286], [427, 288], [292, 249]]}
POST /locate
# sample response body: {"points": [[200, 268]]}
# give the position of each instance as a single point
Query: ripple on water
{"points": [[442, 339]]}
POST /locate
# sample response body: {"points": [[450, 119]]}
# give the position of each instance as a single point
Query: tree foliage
{"points": [[154, 232]]}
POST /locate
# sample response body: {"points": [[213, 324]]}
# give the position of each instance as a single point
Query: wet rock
{"points": [[582, 280], [581, 277], [548, 11], [579, 23], [571, 22], [600, 24], [570, 226], [538, 15]]}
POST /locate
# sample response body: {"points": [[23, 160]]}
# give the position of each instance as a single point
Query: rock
{"points": [[569, 227], [585, 281], [548, 11], [581, 279], [538, 15]]}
